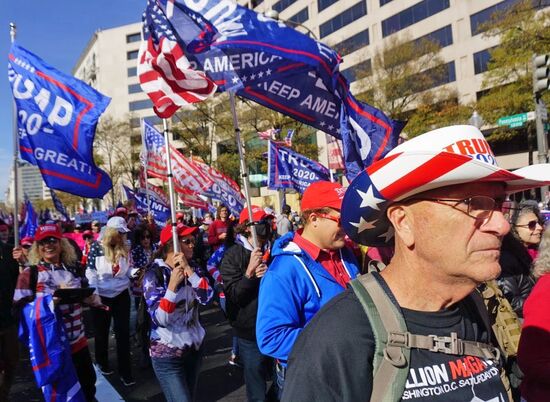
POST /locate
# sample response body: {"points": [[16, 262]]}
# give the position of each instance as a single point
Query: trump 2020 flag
{"points": [[289, 169], [165, 74], [158, 207], [30, 221], [56, 118]]}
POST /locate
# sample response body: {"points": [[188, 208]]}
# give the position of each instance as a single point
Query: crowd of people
{"points": [[313, 318]]}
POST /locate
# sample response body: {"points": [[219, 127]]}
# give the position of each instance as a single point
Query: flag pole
{"points": [[244, 170], [171, 192], [328, 158], [146, 160], [13, 30]]}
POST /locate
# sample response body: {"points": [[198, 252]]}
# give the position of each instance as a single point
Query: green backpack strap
{"points": [[391, 362]]}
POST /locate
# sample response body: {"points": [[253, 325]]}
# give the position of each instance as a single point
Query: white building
{"points": [[30, 183], [361, 29]]}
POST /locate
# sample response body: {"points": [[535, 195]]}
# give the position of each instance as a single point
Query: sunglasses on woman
{"points": [[531, 225], [187, 241], [49, 240]]}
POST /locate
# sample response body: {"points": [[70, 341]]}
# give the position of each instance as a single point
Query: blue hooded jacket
{"points": [[293, 289]]}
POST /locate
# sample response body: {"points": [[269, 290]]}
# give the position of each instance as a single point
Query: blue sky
{"points": [[57, 31]]}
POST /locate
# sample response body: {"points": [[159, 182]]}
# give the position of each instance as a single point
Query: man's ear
{"points": [[401, 217]]}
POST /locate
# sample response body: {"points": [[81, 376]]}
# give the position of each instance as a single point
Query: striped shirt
{"points": [[50, 278], [175, 315]]}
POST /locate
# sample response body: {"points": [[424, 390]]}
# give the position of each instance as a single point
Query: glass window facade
{"points": [[134, 88], [412, 15], [358, 71], [384, 2], [154, 119], [255, 3], [283, 5], [353, 43], [136, 37], [341, 20], [322, 4], [140, 104], [132, 71], [443, 36], [481, 61], [479, 18], [132, 55], [301, 16]]}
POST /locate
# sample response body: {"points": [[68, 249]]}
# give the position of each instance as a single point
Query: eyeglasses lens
{"points": [[481, 207]]}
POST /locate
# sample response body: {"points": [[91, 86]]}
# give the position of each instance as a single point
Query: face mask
{"points": [[263, 229]]}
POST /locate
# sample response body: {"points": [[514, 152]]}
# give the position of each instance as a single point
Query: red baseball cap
{"points": [[27, 241], [166, 233], [87, 233], [323, 194], [45, 231], [121, 211], [257, 214]]}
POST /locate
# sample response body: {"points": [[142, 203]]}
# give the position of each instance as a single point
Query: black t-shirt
{"points": [[332, 359]]}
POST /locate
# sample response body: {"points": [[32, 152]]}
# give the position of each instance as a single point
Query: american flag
{"points": [[165, 74], [270, 134], [186, 174], [288, 138]]}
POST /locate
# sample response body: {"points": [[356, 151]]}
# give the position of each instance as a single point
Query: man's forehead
{"points": [[494, 190]]}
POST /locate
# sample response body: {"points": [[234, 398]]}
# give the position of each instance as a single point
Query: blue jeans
{"points": [[178, 376], [255, 369]]}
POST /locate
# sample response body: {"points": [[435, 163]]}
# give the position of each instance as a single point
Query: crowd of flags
{"points": [[184, 58]]}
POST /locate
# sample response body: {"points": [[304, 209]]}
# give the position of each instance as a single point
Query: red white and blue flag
{"points": [[164, 71], [269, 135]]}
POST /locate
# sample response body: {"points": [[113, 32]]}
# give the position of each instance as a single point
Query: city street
{"points": [[218, 381]]}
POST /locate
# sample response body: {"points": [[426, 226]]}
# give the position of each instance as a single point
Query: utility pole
{"points": [[541, 83]]}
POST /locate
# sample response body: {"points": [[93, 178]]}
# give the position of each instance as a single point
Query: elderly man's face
{"points": [[458, 246]]}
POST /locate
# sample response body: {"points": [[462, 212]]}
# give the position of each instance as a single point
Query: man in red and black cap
{"points": [[309, 268]]}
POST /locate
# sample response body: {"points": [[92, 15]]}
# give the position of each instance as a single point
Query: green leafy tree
{"points": [[523, 31]]}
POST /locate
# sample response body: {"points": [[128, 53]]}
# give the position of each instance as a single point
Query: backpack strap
{"points": [[33, 279], [387, 322]]}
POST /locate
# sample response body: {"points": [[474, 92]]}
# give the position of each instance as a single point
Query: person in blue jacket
{"points": [[308, 269]]}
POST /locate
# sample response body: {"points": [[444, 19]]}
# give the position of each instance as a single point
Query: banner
{"points": [[165, 74], [59, 205], [223, 189], [281, 69], [334, 150], [289, 169], [158, 208], [193, 200], [30, 221], [56, 118], [100, 216], [185, 172]]}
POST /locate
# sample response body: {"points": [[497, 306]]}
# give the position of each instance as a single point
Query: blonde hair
{"points": [[542, 263], [67, 257], [113, 252]]}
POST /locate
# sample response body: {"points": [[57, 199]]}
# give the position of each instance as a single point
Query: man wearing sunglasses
{"points": [[309, 268], [416, 330]]}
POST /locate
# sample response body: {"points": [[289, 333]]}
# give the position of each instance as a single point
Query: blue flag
{"points": [[284, 70], [57, 116], [59, 205], [289, 169], [30, 221], [159, 209]]}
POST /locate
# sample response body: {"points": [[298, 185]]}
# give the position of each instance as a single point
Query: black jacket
{"points": [[9, 271], [241, 293], [515, 279]]}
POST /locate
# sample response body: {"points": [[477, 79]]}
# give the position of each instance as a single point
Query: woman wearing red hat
{"points": [[173, 288], [54, 265]]}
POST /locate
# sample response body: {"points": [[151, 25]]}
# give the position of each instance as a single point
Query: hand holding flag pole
{"points": [[13, 30]]}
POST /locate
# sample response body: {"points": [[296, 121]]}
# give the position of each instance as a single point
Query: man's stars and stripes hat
{"points": [[443, 157]]}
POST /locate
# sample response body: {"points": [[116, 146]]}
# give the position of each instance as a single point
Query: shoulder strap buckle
{"points": [[446, 344]]}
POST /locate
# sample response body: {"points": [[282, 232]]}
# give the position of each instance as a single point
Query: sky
{"points": [[57, 31]]}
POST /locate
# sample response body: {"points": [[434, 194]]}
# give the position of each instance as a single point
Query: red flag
{"points": [[164, 72], [335, 160]]}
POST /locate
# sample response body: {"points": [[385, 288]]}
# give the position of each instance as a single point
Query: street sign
{"points": [[516, 120]]}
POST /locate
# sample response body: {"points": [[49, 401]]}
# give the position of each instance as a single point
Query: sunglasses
{"points": [[146, 237], [531, 225], [330, 217], [187, 241], [49, 240], [26, 246]]}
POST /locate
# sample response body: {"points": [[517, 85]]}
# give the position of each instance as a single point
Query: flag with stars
{"points": [[282, 69], [270, 134], [187, 175], [164, 71]]}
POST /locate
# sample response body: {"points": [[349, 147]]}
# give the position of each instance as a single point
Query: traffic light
{"points": [[541, 73]]}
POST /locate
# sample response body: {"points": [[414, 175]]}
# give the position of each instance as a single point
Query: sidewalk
{"points": [[218, 381]]}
